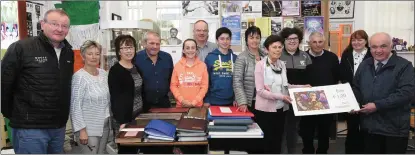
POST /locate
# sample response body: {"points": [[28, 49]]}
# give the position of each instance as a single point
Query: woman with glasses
{"points": [[90, 102], [355, 53], [125, 86], [296, 62], [272, 99], [189, 82]]}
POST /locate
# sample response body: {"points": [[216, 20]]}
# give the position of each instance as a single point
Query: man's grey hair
{"points": [[90, 44], [145, 38], [60, 11], [316, 33], [380, 34]]}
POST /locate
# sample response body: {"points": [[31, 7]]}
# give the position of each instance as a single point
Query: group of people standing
{"points": [[40, 91]]}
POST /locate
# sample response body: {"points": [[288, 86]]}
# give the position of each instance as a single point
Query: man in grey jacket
{"points": [[384, 87]]}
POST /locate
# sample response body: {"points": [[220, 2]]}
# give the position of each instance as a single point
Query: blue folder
{"points": [[161, 129]]}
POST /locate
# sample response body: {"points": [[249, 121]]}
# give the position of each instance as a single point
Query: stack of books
{"points": [[160, 130], [228, 122], [192, 127]]}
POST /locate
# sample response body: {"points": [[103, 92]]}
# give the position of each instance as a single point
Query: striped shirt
{"points": [[90, 100]]}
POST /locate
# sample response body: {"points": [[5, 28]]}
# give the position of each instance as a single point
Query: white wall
{"points": [[362, 16], [109, 7]]}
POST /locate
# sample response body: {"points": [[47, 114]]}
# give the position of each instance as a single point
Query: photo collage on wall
{"points": [[279, 14], [34, 14]]}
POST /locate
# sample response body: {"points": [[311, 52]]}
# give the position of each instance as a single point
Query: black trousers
{"points": [[379, 144], [272, 124], [308, 126], [261, 143], [354, 139], [127, 149]]}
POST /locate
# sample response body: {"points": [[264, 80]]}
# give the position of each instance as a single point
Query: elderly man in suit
{"points": [[384, 87]]}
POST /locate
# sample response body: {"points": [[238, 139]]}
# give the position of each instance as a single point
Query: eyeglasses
{"points": [[205, 31], [56, 25], [126, 48], [292, 39], [384, 46]]}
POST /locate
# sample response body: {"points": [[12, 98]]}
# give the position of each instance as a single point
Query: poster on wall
{"points": [[231, 7], [291, 8], [323, 100], [233, 22], [313, 24], [251, 7], [264, 23], [341, 10], [9, 24], [288, 22], [299, 22], [34, 14], [200, 9], [311, 8], [276, 25], [271, 8]]}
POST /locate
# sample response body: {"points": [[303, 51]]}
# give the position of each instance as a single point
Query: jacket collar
{"points": [[297, 52], [261, 53], [391, 62]]}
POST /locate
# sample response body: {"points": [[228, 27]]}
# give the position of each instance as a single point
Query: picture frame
{"points": [[341, 9], [115, 17]]}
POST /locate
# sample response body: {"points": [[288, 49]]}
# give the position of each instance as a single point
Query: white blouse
{"points": [[358, 58], [276, 83], [90, 102]]}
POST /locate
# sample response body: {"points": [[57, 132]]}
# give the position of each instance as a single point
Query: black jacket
{"points": [[35, 87], [391, 90], [347, 65], [121, 87]]}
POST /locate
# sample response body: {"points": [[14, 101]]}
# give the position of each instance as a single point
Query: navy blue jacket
{"points": [[156, 79], [391, 90]]}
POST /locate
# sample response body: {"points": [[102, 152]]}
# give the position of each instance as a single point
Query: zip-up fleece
{"points": [[220, 68]]}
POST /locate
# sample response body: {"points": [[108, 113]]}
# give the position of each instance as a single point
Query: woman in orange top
{"points": [[189, 82]]}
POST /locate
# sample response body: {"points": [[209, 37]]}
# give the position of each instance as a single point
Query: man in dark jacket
{"points": [[384, 87], [36, 76]]}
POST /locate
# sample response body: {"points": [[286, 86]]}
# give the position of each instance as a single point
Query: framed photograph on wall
{"points": [[115, 17], [341, 9]]}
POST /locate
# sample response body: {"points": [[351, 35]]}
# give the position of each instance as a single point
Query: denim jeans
{"points": [[38, 141]]}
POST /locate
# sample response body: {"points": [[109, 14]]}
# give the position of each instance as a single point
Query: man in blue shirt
{"points": [[156, 68]]}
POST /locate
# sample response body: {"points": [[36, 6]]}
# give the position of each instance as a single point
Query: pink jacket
{"points": [[266, 100]]}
